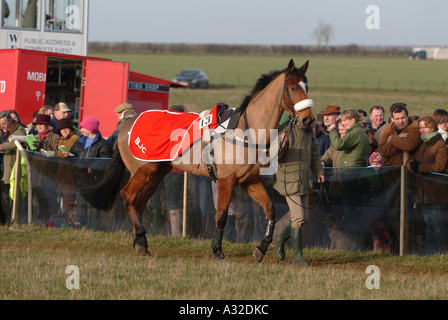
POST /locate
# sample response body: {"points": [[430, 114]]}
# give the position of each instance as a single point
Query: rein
{"points": [[286, 88]]}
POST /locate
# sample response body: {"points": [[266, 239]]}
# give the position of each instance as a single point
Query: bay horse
{"points": [[261, 111]]}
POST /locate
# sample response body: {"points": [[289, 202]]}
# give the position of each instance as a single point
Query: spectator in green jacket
{"points": [[354, 144]]}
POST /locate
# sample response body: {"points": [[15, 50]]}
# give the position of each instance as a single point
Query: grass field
{"points": [[33, 262], [358, 82]]}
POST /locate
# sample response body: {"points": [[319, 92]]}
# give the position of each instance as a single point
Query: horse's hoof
{"points": [[258, 254], [141, 251], [219, 255]]}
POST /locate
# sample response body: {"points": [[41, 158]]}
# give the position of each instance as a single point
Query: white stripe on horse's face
{"points": [[303, 86]]}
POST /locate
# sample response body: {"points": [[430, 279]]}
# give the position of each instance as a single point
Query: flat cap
{"points": [[124, 106]]}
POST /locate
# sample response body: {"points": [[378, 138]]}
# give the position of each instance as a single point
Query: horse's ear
{"points": [[305, 66], [291, 66]]}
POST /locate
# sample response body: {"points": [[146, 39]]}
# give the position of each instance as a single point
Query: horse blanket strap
{"points": [[236, 140], [209, 161], [207, 139]]}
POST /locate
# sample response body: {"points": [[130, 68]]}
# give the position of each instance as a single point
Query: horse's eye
{"points": [[293, 89]]}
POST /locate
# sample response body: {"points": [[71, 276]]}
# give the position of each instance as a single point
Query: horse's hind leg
{"points": [[258, 192], [136, 194], [225, 190]]}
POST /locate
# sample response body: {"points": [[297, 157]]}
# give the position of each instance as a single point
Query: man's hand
{"points": [[320, 178]]}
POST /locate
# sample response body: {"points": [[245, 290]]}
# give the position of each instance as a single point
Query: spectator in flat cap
{"points": [[60, 111], [124, 111]]}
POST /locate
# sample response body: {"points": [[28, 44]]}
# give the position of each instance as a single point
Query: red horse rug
{"points": [[163, 135]]}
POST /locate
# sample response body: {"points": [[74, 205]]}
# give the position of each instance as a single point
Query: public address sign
{"points": [[57, 26]]}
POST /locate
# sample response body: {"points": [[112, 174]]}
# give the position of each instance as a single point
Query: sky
{"points": [[270, 22]]}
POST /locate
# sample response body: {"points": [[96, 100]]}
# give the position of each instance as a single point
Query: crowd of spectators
{"points": [[347, 139]]}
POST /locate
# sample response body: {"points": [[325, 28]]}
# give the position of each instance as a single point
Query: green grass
{"points": [[358, 82], [33, 263], [386, 73]]}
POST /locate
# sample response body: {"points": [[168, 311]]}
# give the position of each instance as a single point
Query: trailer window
{"points": [[63, 15], [20, 14]]}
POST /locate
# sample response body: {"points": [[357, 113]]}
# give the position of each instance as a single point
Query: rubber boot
{"points": [[280, 241], [296, 242], [176, 222]]}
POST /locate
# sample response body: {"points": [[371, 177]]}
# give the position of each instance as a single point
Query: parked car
{"points": [[193, 78]]}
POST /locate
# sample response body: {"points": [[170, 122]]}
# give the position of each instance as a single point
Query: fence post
{"points": [[184, 214], [16, 191], [404, 236]]}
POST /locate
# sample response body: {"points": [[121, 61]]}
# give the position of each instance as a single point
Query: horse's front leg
{"points": [[225, 190], [258, 192]]}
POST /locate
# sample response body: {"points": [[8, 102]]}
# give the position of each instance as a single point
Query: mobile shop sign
{"points": [[2, 86], [142, 86]]}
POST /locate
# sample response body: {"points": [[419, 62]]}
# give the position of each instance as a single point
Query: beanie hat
{"points": [[64, 123], [376, 158], [91, 124]]}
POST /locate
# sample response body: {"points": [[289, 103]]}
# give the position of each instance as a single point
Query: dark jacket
{"points": [[323, 140], [87, 159]]}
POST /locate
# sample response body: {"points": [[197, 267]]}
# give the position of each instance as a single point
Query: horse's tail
{"points": [[102, 196]]}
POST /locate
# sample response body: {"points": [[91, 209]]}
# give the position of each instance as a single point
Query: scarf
{"points": [[43, 134], [429, 136]]}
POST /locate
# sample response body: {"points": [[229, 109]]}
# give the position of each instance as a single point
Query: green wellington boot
{"points": [[296, 241], [281, 239]]}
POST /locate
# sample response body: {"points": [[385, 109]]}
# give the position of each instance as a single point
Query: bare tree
{"points": [[322, 33]]}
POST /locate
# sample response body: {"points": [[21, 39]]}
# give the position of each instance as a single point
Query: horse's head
{"points": [[295, 95]]}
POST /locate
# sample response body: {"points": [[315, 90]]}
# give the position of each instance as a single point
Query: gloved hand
{"points": [[38, 144], [414, 165]]}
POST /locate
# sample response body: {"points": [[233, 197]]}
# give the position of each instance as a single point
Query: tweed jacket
{"points": [[293, 174]]}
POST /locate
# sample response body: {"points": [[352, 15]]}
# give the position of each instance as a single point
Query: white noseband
{"points": [[301, 105]]}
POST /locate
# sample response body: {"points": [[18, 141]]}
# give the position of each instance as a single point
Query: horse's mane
{"points": [[264, 80]]}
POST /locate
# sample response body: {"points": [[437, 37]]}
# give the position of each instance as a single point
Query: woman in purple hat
{"points": [[89, 169]]}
